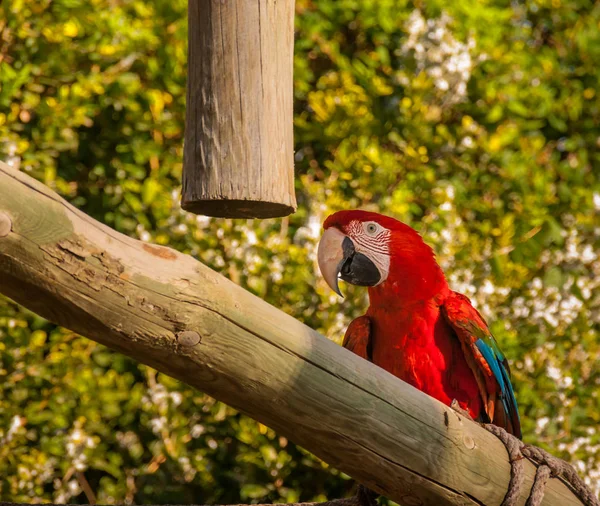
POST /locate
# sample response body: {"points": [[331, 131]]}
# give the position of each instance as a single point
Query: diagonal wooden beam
{"points": [[173, 313]]}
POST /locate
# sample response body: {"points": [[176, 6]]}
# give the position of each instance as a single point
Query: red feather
{"points": [[409, 331], [358, 337]]}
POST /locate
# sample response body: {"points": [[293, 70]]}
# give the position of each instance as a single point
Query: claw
{"points": [[456, 407]]}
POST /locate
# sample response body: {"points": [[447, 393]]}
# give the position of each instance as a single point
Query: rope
{"points": [[548, 467]]}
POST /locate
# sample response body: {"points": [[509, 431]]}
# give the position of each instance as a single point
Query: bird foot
{"points": [[366, 497], [456, 407]]}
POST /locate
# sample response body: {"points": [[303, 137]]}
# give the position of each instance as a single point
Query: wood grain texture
{"points": [[142, 300], [239, 151]]}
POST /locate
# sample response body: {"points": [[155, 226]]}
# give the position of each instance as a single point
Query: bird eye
{"points": [[371, 228]]}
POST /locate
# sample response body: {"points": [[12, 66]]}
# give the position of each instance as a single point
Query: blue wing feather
{"points": [[507, 394], [481, 346], [513, 410]]}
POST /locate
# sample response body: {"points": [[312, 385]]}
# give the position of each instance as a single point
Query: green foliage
{"points": [[475, 122]]}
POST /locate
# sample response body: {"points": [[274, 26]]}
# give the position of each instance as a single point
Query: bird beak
{"points": [[338, 257], [331, 257]]}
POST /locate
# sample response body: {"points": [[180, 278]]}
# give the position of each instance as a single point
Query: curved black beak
{"points": [[356, 268]]}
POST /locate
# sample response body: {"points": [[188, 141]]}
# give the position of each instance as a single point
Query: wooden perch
{"points": [[239, 152], [171, 312]]}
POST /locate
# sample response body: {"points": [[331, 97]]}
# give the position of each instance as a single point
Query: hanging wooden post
{"points": [[238, 157]]}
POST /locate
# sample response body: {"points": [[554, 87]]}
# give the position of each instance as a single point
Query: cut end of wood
{"points": [[219, 208]]}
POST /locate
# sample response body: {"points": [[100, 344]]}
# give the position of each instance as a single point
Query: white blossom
{"points": [[446, 60]]}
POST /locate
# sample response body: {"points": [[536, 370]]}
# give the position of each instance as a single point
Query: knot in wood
{"points": [[188, 338], [5, 224], [468, 441]]}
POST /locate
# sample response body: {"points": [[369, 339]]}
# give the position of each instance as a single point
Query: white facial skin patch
{"points": [[372, 240]]}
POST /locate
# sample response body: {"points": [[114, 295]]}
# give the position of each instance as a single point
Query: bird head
{"points": [[369, 249]]}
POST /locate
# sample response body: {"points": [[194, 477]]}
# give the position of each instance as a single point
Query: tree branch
{"points": [[169, 311]]}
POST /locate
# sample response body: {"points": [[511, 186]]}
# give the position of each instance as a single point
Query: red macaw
{"points": [[416, 327]]}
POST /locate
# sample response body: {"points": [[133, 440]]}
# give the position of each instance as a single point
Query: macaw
{"points": [[416, 327]]}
